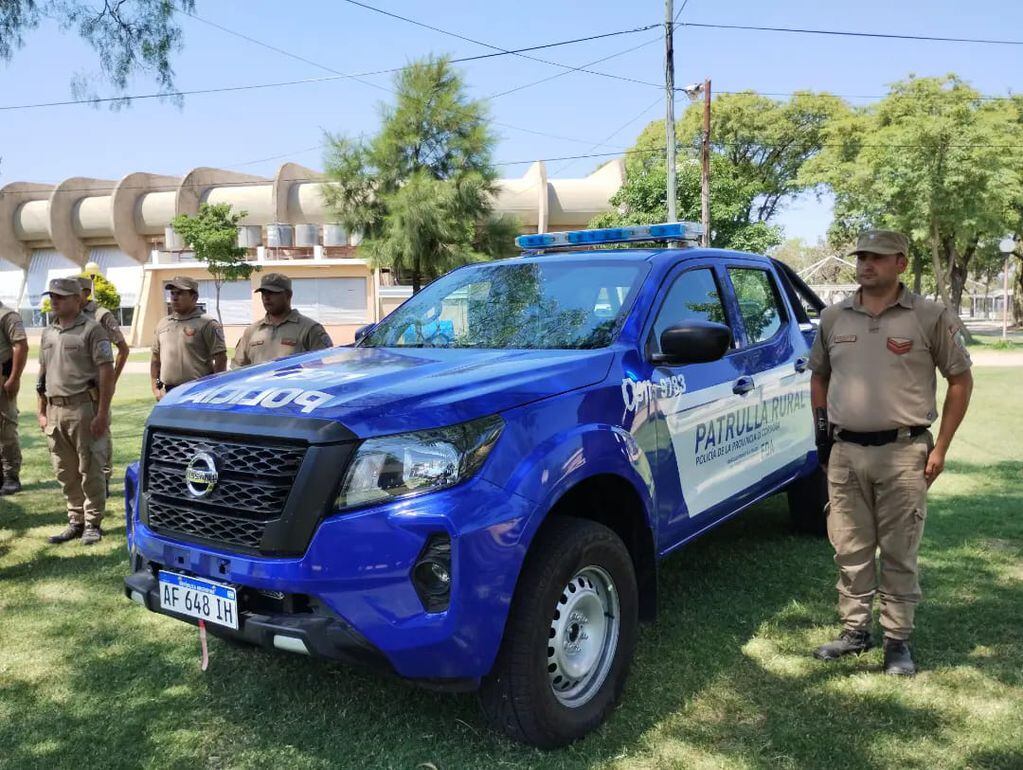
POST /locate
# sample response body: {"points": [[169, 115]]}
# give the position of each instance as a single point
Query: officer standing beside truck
{"points": [[13, 355], [873, 395], [188, 343], [282, 332], [76, 384]]}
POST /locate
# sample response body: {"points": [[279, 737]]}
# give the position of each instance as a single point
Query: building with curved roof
{"points": [[51, 231]]}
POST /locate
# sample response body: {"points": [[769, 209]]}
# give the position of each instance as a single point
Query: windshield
{"points": [[515, 305]]}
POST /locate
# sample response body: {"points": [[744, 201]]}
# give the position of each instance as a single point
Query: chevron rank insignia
{"points": [[900, 345]]}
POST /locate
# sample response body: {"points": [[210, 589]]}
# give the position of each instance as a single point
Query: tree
{"points": [[421, 191], [758, 147], [934, 160], [129, 36], [213, 235]]}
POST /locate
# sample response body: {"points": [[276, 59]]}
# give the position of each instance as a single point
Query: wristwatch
{"points": [[160, 385]]}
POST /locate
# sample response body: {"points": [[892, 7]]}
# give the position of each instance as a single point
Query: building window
{"points": [[331, 300], [235, 301]]}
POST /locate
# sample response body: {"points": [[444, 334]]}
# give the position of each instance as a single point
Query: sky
{"points": [[255, 130]]}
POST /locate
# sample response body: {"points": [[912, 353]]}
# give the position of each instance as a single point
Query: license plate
{"points": [[198, 598]]}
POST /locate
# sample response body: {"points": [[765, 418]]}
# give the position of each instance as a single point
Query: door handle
{"points": [[742, 386], [801, 363]]}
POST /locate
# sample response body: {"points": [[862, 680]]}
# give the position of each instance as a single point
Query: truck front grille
{"points": [[251, 491]]}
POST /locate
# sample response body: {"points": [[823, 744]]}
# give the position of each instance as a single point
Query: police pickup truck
{"points": [[476, 494]]}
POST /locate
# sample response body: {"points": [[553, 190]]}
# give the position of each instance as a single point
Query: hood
{"points": [[377, 391]]}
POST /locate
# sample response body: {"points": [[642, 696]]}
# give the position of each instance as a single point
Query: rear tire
{"points": [[569, 638], [808, 503]]}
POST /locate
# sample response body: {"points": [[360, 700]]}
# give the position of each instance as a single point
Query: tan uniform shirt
{"points": [[106, 319], [264, 341], [186, 346], [881, 368], [11, 330], [70, 358]]}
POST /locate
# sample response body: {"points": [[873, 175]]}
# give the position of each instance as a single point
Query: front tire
{"points": [[569, 639], [808, 504]]}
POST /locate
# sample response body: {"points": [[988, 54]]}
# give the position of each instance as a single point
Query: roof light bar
{"points": [[669, 231]]}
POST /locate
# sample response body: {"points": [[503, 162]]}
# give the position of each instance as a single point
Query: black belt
{"points": [[881, 437]]}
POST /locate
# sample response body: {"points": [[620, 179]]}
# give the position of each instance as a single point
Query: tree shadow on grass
{"points": [[725, 675]]}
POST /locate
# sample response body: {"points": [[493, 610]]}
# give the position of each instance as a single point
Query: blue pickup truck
{"points": [[477, 493]]}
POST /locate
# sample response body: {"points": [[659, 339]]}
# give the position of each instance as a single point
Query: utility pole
{"points": [[705, 176], [669, 86]]}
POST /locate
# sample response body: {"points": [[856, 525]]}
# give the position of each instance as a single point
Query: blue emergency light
{"points": [[668, 231]]}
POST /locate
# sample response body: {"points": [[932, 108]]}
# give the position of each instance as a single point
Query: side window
{"points": [[693, 297], [758, 302]]}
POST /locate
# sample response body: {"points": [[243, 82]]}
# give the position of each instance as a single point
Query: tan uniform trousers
{"points": [[878, 503], [10, 449], [78, 458]]}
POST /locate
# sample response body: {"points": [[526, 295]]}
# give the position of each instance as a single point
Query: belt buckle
{"points": [[902, 433]]}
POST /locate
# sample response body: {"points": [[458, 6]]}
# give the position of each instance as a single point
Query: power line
{"points": [[580, 68], [286, 83], [848, 33], [613, 134], [442, 31], [658, 151]]}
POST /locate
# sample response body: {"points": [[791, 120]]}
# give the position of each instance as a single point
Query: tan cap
{"points": [[85, 283], [274, 282], [182, 282], [881, 242], [64, 287]]}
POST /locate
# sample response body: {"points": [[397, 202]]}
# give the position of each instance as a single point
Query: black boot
{"points": [[847, 643], [70, 532], [898, 661], [12, 484], [91, 535]]}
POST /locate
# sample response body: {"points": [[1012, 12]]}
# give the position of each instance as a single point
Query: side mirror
{"points": [[362, 331], [694, 342]]}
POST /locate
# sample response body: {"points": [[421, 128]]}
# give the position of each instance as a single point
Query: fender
{"points": [[567, 458]]}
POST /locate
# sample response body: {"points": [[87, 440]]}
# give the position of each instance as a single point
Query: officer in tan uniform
{"points": [[76, 384], [188, 343], [283, 332], [13, 355], [108, 321], [873, 395]]}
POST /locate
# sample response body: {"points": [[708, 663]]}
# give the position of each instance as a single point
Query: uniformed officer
{"points": [[109, 322], [76, 384], [283, 332], [188, 343], [873, 394], [13, 355]]}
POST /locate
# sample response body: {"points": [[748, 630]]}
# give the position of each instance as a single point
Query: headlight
{"points": [[411, 463]]}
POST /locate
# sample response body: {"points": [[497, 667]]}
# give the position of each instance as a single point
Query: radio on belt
{"points": [[495, 466]]}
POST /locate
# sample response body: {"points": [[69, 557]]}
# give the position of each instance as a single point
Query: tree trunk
{"points": [[936, 262], [417, 279], [216, 286], [918, 272]]}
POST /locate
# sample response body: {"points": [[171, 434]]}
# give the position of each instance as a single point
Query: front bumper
{"points": [[358, 568], [320, 636]]}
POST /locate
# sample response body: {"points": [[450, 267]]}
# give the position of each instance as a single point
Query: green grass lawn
{"points": [[723, 680]]}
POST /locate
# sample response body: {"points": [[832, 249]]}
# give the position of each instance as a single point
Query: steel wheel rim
{"points": [[583, 636]]}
